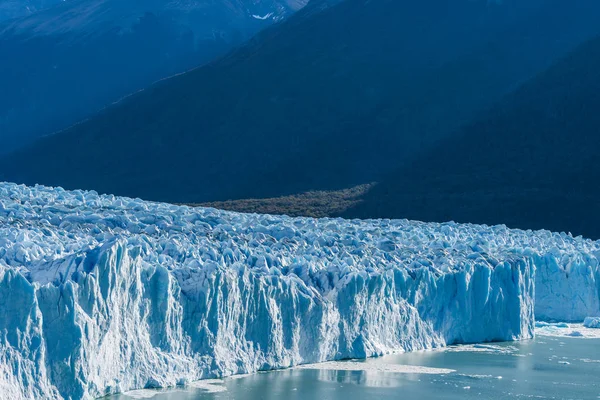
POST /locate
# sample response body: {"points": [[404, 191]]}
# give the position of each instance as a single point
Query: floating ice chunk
{"points": [[483, 348], [209, 385], [376, 367], [566, 330], [141, 394], [558, 325], [592, 322], [476, 376]]}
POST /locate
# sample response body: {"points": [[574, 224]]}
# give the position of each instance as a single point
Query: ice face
{"points": [[567, 283], [101, 294]]}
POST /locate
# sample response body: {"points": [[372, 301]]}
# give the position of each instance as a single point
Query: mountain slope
{"points": [[531, 162], [67, 62], [19, 8], [325, 100]]}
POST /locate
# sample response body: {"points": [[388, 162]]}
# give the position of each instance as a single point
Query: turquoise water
{"points": [[544, 368]]}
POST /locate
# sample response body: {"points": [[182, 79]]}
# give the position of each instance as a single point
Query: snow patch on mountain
{"points": [[102, 294], [269, 15]]}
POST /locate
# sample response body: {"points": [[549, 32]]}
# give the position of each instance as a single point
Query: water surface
{"points": [[544, 368]]}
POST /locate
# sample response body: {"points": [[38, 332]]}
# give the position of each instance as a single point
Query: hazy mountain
{"points": [[66, 62], [530, 162], [326, 100]]}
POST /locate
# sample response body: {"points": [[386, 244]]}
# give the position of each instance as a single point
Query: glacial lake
{"points": [[548, 367]]}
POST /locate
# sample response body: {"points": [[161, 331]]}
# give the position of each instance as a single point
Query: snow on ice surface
{"points": [[101, 294]]}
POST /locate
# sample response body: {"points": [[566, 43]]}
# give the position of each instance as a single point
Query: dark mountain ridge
{"points": [[10, 9], [531, 162], [67, 62], [326, 100]]}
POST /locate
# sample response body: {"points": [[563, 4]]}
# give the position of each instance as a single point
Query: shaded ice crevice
{"points": [[119, 294]]}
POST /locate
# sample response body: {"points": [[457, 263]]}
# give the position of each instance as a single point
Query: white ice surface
{"points": [[101, 294]]}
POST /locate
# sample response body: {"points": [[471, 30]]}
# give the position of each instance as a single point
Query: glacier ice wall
{"points": [[100, 294], [568, 284]]}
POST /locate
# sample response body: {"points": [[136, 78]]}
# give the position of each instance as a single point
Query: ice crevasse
{"points": [[101, 294]]}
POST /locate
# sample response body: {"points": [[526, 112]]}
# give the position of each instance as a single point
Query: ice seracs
{"points": [[101, 294]]}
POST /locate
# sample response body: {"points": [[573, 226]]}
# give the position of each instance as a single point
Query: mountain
{"points": [[530, 162], [66, 62], [329, 99], [19, 8]]}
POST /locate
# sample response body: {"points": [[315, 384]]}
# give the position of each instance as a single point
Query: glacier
{"points": [[102, 294]]}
